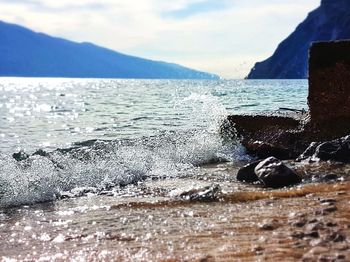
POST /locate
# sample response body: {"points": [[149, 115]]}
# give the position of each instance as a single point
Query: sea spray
{"points": [[107, 164], [157, 129]]}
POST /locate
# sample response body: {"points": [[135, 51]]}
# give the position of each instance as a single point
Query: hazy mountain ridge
{"points": [[29, 54], [330, 21]]}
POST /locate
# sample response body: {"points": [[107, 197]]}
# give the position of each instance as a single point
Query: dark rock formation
{"points": [[273, 173], [329, 83], [331, 21], [247, 174], [286, 137], [26, 53], [20, 156], [270, 135], [336, 150]]}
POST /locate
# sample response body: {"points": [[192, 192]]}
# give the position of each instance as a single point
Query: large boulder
{"points": [[329, 89], [273, 173], [267, 135]]}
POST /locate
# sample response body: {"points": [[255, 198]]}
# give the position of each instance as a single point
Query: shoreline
{"points": [[306, 222], [308, 227]]}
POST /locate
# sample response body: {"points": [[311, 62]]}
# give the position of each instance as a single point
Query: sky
{"points": [[225, 37]]}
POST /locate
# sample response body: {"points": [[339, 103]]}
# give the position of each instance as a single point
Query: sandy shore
{"points": [[309, 222]]}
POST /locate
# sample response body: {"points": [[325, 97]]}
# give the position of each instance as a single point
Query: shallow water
{"points": [[139, 151]]}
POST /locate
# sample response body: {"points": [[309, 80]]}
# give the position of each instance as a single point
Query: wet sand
{"points": [[310, 222]]}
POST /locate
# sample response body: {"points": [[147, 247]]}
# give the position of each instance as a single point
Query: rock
{"points": [[335, 150], [263, 150], [273, 173], [41, 152], [287, 136], [309, 152], [331, 224], [326, 211], [330, 177], [269, 225], [313, 234], [299, 223], [21, 155], [315, 226], [208, 193], [298, 235], [337, 237], [247, 174], [328, 200], [266, 135], [329, 75]]}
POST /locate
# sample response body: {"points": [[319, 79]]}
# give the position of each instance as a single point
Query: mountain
{"points": [[330, 21], [30, 54]]}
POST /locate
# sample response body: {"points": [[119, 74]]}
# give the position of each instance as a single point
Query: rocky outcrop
{"points": [[331, 21], [335, 150], [286, 137], [329, 84], [270, 135]]}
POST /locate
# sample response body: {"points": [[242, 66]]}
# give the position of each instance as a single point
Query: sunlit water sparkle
{"points": [[153, 138]]}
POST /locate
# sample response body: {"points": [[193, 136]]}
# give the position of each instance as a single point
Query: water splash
{"points": [[93, 167], [104, 165]]}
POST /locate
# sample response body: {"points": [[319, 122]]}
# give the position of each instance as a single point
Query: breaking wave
{"points": [[101, 165]]}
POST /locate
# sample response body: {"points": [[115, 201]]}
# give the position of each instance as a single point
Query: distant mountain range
{"points": [[330, 21], [25, 53]]}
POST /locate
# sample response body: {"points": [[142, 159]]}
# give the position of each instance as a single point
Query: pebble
{"points": [[326, 211], [330, 177], [298, 235], [299, 223], [258, 249], [269, 225], [330, 210], [341, 193], [328, 200], [315, 226], [337, 237], [313, 234], [331, 224]]}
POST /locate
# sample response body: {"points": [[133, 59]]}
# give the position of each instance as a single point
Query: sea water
{"points": [[122, 131]]}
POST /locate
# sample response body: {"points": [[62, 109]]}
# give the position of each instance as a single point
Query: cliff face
{"points": [[27, 53], [330, 21]]}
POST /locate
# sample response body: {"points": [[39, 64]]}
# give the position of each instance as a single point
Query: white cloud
{"points": [[225, 41]]}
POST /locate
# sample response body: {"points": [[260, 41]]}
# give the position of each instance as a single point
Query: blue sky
{"points": [[225, 37]]}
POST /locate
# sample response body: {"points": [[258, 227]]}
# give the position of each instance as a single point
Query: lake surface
{"points": [[138, 129], [51, 113], [132, 142]]}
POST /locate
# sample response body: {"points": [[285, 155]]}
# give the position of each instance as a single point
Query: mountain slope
{"points": [[27, 53], [330, 21]]}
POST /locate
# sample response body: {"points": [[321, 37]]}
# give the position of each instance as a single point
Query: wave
{"points": [[97, 165], [101, 165]]}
